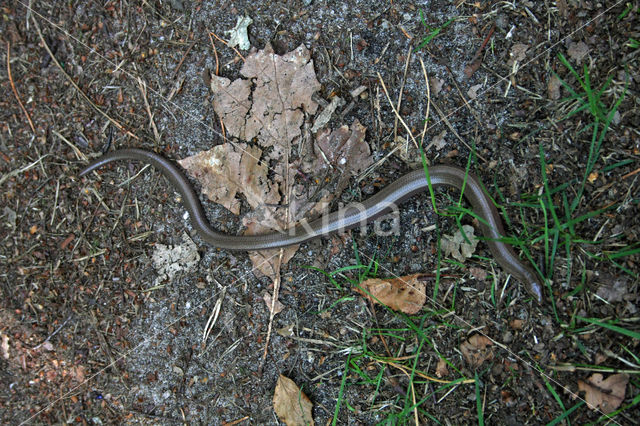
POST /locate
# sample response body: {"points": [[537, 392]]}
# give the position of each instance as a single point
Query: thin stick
{"points": [[448, 123], [143, 90], [175, 72], [215, 54], [426, 115], [15, 91], [227, 44], [73, 83], [272, 310], [396, 111], [404, 79]]}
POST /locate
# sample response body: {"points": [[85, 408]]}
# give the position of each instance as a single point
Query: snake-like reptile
{"points": [[350, 216]]}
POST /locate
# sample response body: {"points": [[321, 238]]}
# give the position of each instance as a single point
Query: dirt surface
{"points": [[92, 333]]}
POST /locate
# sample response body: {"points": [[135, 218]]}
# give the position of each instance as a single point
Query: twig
{"points": [[404, 79], [227, 44], [16, 172], [175, 72], [54, 333], [455, 82], [476, 61], [396, 111], [75, 149], [104, 345], [272, 310], [426, 115], [15, 91], [448, 123], [73, 83], [215, 53], [213, 318], [143, 90]]}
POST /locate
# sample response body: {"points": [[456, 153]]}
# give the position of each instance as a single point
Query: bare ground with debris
{"points": [[94, 330]]}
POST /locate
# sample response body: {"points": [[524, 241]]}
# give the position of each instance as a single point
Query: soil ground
{"points": [[88, 336]]}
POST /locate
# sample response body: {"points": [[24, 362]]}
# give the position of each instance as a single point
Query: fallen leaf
{"points": [[608, 394], [441, 368], [600, 358], [457, 246], [577, 51], [518, 53], [286, 331], [472, 93], [345, 151], [406, 294], [283, 86], [239, 36], [475, 350], [228, 170], [268, 107], [612, 289], [168, 261], [471, 68], [277, 307], [507, 398], [78, 373], [291, 405], [516, 324], [436, 85], [478, 273], [439, 140], [553, 87]]}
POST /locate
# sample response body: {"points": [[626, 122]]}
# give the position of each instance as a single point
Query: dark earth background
{"points": [[89, 339]]}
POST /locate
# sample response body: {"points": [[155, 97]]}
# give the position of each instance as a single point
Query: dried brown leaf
{"points": [[268, 300], [228, 170], [516, 324], [344, 150], [406, 294], [553, 87], [577, 51], [291, 405], [457, 246], [268, 106], [442, 369], [476, 350], [478, 273], [608, 394], [231, 103], [612, 289], [283, 86], [518, 53]]}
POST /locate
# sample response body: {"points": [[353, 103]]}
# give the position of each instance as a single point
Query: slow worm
{"points": [[348, 217]]}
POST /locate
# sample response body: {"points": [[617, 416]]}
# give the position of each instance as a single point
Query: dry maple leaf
{"points": [[282, 90], [476, 351], [291, 405], [344, 150], [231, 169], [605, 394], [405, 294], [268, 106]]}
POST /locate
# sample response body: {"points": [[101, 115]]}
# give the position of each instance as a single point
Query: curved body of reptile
{"points": [[348, 217]]}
